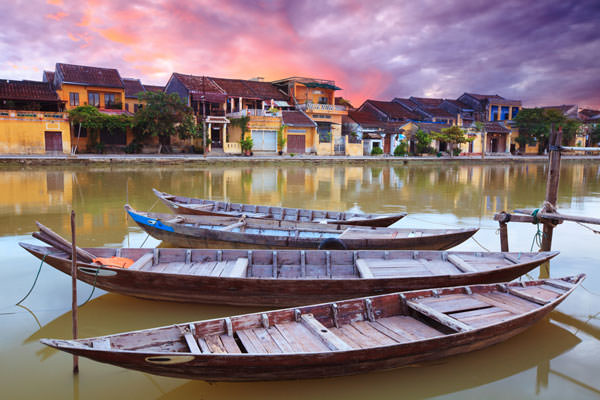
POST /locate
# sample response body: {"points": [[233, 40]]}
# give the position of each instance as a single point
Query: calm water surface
{"points": [[558, 358]]}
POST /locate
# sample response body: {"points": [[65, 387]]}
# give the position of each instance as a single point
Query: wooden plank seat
{"points": [[438, 316], [328, 337], [461, 264], [353, 233], [142, 262]]}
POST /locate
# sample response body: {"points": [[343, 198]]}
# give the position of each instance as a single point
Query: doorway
{"points": [[53, 141]]}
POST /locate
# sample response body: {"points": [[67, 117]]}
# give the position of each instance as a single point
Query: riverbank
{"points": [[168, 159]]}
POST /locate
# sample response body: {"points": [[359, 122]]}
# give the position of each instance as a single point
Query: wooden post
{"points": [[74, 287], [503, 219], [552, 183]]}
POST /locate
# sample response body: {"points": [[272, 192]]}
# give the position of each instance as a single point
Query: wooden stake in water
{"points": [[74, 287], [552, 183]]}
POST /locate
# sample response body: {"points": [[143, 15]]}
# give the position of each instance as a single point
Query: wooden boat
{"points": [[198, 231], [283, 277], [332, 339], [194, 206]]}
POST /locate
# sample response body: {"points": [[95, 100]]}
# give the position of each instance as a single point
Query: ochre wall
{"points": [[66, 88], [23, 132]]}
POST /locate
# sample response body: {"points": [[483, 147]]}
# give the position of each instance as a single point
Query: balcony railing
{"points": [[254, 113], [321, 107]]}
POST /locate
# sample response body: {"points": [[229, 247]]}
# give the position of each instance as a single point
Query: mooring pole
{"points": [[552, 183], [74, 287]]}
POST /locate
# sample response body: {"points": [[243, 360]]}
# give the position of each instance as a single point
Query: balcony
{"points": [[321, 107], [254, 113]]}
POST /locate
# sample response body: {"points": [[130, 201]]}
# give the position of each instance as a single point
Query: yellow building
{"points": [[31, 119], [103, 88], [316, 98]]}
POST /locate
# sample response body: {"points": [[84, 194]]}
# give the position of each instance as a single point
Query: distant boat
{"points": [[282, 277], [194, 206], [332, 339], [194, 231]]}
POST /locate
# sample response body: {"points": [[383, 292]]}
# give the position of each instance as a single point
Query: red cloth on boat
{"points": [[120, 262]]}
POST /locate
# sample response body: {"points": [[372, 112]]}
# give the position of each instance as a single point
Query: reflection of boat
{"points": [[286, 277], [332, 339], [190, 205], [193, 231]]}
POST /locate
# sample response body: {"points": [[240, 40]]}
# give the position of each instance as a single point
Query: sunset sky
{"points": [[542, 52]]}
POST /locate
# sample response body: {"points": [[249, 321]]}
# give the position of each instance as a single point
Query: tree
{"points": [[165, 115], [595, 135], [423, 142], [90, 118], [535, 124], [453, 135]]}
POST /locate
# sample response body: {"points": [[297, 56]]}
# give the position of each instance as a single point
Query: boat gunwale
{"points": [[224, 356]]}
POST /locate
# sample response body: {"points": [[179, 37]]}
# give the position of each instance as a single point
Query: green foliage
{"points": [[423, 142], [595, 135], [165, 115], [456, 151], [246, 144], [281, 141], [90, 118], [133, 148], [376, 151], [453, 135], [241, 123], [535, 123], [401, 149]]}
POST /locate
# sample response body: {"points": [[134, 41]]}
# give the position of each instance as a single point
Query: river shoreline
{"points": [[172, 159]]}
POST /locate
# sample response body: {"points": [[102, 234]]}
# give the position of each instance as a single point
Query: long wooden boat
{"points": [[198, 231], [194, 206], [282, 277], [332, 339]]}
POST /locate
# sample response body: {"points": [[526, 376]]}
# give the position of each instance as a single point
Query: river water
{"points": [[557, 358]]}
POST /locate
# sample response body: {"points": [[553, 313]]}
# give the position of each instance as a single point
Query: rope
{"points": [[480, 245], [539, 235], [93, 289], [587, 227], [144, 242], [34, 282], [153, 205]]}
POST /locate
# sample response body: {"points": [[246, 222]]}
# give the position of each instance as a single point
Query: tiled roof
{"points": [[427, 102], [198, 84], [459, 104], [249, 89], [431, 127], [405, 102], [266, 90], [366, 119], [587, 113], [90, 76], [392, 110], [485, 96], [340, 101], [297, 118], [439, 112], [495, 127], [48, 76], [133, 87], [27, 90], [153, 88]]}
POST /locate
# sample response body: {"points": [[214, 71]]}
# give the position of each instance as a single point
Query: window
{"points": [[73, 99], [109, 99], [504, 114], [515, 111], [126, 106], [324, 131], [494, 114], [323, 100], [94, 99]]}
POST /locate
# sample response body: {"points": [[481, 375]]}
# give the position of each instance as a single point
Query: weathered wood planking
{"points": [[312, 341]]}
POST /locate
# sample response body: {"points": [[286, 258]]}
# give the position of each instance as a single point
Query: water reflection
{"points": [[556, 358]]}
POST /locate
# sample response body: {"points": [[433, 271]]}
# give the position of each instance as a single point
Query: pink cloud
{"points": [[378, 49]]}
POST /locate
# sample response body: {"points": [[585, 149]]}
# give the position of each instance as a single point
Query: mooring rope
{"points": [[93, 289], [480, 245], [34, 282], [539, 235], [587, 227]]}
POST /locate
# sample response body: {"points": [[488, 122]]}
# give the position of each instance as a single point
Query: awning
{"points": [[320, 85], [281, 103]]}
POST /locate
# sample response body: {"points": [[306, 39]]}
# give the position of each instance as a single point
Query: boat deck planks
{"points": [[331, 339]]}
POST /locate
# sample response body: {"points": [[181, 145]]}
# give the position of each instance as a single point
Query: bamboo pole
{"points": [[74, 288], [552, 183]]}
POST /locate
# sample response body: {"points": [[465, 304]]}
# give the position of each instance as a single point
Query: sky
{"points": [[541, 52]]}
